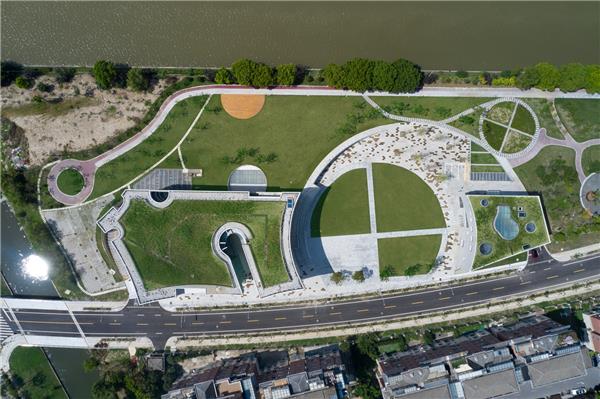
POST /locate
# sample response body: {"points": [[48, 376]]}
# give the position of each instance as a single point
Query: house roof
{"points": [[556, 369], [491, 385]]}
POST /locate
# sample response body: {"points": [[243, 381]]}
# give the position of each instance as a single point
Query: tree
{"points": [[337, 277], [23, 82], [138, 79], [366, 391], [358, 276], [592, 80], [243, 70], [64, 75], [90, 364], [387, 272], [262, 76], [286, 74], [224, 77], [384, 76], [572, 77], [367, 344], [528, 78], [409, 78], [358, 74], [549, 76], [9, 71], [105, 74], [334, 76], [462, 74]]}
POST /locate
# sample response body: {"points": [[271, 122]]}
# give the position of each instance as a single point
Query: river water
{"points": [[437, 35]]}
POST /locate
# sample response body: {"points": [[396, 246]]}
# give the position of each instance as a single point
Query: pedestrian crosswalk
{"points": [[5, 329]]}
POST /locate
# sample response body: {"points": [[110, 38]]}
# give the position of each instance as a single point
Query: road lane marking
{"points": [[498, 288], [281, 318], [472, 293], [416, 303], [252, 321], [525, 282], [114, 324], [306, 316], [158, 315], [197, 322], [50, 322], [445, 298], [578, 270], [362, 310], [335, 313], [140, 315], [531, 272], [225, 322], [390, 306], [551, 277], [141, 324], [170, 324], [548, 268]]}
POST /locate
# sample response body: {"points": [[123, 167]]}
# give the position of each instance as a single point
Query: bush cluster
{"points": [[251, 73], [567, 78], [361, 74]]}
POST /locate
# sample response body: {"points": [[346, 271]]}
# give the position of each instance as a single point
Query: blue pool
{"points": [[504, 224]]}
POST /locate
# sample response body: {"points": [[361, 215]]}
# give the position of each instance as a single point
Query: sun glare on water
{"points": [[35, 267]]}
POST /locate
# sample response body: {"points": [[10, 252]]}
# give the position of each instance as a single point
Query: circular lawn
{"points": [[70, 181]]}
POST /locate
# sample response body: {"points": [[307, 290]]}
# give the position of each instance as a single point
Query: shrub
{"points": [[466, 119], [409, 77], [224, 77], [358, 276], [462, 74], [358, 74], [505, 81], [386, 272], [592, 80], [262, 76], [548, 76], [286, 74], [138, 79], [9, 71], [23, 82], [105, 74], [337, 277], [528, 78], [334, 76], [384, 76], [572, 77], [243, 70], [64, 75], [46, 88]]}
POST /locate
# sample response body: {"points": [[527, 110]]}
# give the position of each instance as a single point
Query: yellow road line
{"points": [[335, 313], [170, 324], [390, 306], [50, 322], [197, 322], [225, 322], [578, 270], [498, 288], [141, 324], [281, 318], [548, 268], [417, 302], [362, 310], [252, 321], [551, 277], [445, 298], [306, 316], [472, 293]]}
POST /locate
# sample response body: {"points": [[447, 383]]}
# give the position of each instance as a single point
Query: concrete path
{"points": [[371, 193]]}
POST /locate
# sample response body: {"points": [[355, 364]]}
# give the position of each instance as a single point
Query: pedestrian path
{"points": [[5, 329]]}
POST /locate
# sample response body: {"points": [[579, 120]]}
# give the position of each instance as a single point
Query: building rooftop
{"points": [[557, 368], [491, 385]]}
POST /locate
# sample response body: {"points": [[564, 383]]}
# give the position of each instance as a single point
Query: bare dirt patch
{"points": [[74, 116], [242, 106]]}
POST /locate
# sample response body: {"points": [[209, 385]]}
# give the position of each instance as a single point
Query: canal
{"points": [[438, 35]]}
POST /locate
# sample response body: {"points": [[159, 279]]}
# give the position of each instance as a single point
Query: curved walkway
{"points": [[89, 167]]}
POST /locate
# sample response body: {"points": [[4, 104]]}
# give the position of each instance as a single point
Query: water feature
{"points": [[68, 364], [231, 244], [504, 224], [22, 269], [437, 35]]}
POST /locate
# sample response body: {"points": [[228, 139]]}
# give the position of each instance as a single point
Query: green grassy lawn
{"points": [[407, 256], [515, 142], [590, 159], [523, 121], [494, 134], [486, 168], [403, 201], [501, 112], [126, 167], [470, 125], [581, 117], [298, 130], [477, 148], [541, 107], [344, 207], [39, 381], [173, 246], [70, 181], [485, 159], [435, 108], [552, 173], [516, 258], [486, 232]]}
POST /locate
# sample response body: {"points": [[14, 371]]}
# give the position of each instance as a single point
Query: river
{"points": [[437, 35]]}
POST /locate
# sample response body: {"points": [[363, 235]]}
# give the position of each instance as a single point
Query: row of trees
{"points": [[361, 74], [567, 78], [109, 74], [250, 73]]}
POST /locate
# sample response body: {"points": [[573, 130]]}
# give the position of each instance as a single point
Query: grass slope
{"points": [[590, 159], [173, 246], [32, 366], [403, 201], [408, 255], [436, 108], [298, 130], [126, 167], [486, 233], [552, 173], [344, 207], [70, 181], [581, 117]]}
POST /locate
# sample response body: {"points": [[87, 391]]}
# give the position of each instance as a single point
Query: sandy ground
{"points": [[242, 106], [99, 115]]}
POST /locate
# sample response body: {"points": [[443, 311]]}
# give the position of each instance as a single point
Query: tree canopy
{"points": [[138, 79], [105, 74], [224, 77], [250, 73], [286, 74]]}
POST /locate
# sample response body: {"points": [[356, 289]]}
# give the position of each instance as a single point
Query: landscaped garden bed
{"points": [[407, 256], [507, 226], [172, 246]]}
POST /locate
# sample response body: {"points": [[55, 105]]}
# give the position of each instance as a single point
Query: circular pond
{"points": [[530, 227], [70, 181], [485, 248]]}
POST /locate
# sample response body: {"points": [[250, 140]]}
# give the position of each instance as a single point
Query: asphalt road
{"points": [[158, 324]]}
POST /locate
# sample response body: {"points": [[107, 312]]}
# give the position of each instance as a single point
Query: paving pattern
{"points": [[164, 179], [489, 176]]}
